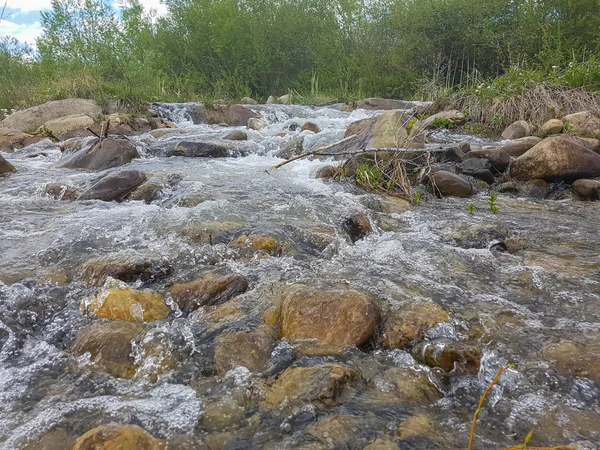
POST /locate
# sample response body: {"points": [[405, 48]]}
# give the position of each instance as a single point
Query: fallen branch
{"points": [[318, 151], [92, 131]]}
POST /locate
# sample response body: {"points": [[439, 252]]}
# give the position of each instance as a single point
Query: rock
{"points": [[464, 147], [484, 175], [211, 232], [203, 149], [587, 189], [109, 346], [127, 304], [589, 143], [553, 126], [295, 147], [453, 117], [249, 349], [224, 412], [403, 326], [381, 444], [115, 187], [232, 115], [249, 246], [161, 124], [127, 125], [117, 437], [337, 431], [479, 236], [255, 124], [147, 192], [11, 139], [271, 100], [33, 118], [453, 154], [517, 130], [384, 104], [518, 147], [557, 158], [285, 99], [327, 385], [332, 317], [328, 172], [449, 184], [401, 385], [417, 425], [575, 359], [5, 166], [449, 355], [248, 101], [236, 135], [67, 127], [471, 165], [357, 226], [583, 123], [61, 192], [499, 160], [536, 189], [102, 155], [310, 126], [128, 268], [211, 289]]}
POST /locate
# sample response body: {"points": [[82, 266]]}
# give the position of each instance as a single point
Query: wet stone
{"points": [[127, 304], [61, 192], [250, 349], [448, 355], [102, 155], [115, 187], [399, 385], [5, 166], [479, 236], [211, 289], [248, 246], [357, 226], [200, 150], [125, 268], [117, 437], [405, 325]]}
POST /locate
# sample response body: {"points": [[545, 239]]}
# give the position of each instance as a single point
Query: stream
{"points": [[532, 302]]}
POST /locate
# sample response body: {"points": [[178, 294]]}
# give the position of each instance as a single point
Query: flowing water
{"points": [[510, 304]]}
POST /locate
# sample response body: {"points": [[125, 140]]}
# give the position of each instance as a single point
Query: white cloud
{"points": [[23, 32], [156, 5], [26, 6]]}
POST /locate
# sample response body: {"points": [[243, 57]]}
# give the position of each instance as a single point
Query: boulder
{"points": [[128, 125], [117, 437], [249, 349], [128, 268], [147, 192], [203, 149], [254, 244], [332, 317], [67, 127], [236, 135], [248, 101], [403, 326], [255, 124], [127, 304], [536, 189], [583, 123], [449, 355], [557, 158], [499, 160], [587, 189], [5, 166], [401, 385], [285, 99], [327, 385], [518, 147], [357, 226], [35, 117], [232, 115], [453, 117], [448, 184], [109, 346], [295, 147], [271, 100], [61, 192], [552, 126], [310, 126], [210, 232], [102, 155], [327, 172], [115, 187], [11, 139], [157, 123], [516, 130], [211, 289]]}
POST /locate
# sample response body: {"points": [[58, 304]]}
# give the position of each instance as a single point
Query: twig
{"points": [[481, 400], [318, 151], [92, 131], [3, 10]]}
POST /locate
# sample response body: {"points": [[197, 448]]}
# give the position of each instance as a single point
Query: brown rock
{"points": [[449, 184], [255, 124], [336, 431], [236, 135], [11, 139], [5, 166], [575, 359], [327, 172], [295, 147], [553, 126], [212, 289], [498, 158], [232, 115], [147, 192], [109, 346], [311, 126], [253, 244], [357, 226], [325, 385], [557, 158], [125, 268], [449, 355], [222, 413], [400, 385], [115, 187], [454, 116], [67, 127], [517, 130], [102, 155], [583, 123], [381, 444], [536, 188], [518, 147], [117, 437], [128, 305], [60, 192], [332, 317], [250, 349], [587, 189], [211, 232], [405, 325]]}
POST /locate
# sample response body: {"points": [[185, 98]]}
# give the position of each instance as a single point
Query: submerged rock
{"points": [[204, 149], [147, 192], [403, 326], [212, 289], [479, 236], [310, 126], [557, 158], [357, 226], [5, 166], [256, 245], [575, 359], [448, 184], [449, 355], [587, 189], [117, 437], [103, 155], [400, 385], [517, 130], [61, 192], [249, 349], [236, 135], [331, 317], [125, 268], [115, 187], [127, 304], [295, 147], [109, 346]]}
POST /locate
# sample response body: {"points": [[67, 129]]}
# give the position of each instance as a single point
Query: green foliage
{"points": [[370, 177], [492, 203], [471, 208], [440, 122], [420, 195]]}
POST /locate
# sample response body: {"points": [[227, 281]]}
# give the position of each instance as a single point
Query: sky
{"points": [[22, 17]]}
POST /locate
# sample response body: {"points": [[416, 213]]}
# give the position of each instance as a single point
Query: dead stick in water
{"points": [[317, 151]]}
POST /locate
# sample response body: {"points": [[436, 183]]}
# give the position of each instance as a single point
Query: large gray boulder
{"points": [[105, 154], [115, 187], [557, 158], [32, 118]]}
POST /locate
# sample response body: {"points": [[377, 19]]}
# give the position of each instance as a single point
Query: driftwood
{"points": [[318, 151]]}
